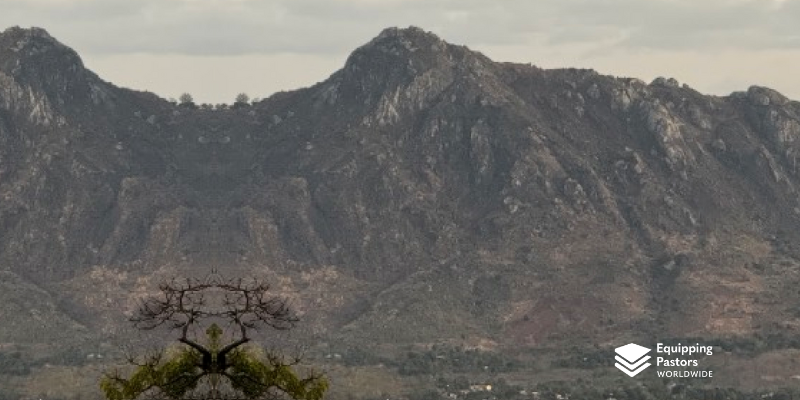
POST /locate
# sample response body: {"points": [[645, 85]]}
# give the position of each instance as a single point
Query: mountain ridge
{"points": [[422, 194]]}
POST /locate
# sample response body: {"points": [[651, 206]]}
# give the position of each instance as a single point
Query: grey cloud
{"points": [[217, 27], [664, 24], [208, 27]]}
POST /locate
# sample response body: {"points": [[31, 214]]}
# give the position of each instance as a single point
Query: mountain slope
{"points": [[423, 193]]}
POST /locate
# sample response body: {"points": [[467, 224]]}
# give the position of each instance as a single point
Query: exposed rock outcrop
{"points": [[379, 197]]}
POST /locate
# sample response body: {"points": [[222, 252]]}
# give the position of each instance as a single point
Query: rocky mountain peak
{"points": [[16, 38], [401, 71], [411, 49], [765, 96], [32, 50], [23, 36], [35, 63], [411, 39], [397, 54]]}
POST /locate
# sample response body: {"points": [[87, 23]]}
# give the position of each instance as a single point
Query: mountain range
{"points": [[423, 194]]}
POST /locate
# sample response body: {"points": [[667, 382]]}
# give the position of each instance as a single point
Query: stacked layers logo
{"points": [[631, 359]]}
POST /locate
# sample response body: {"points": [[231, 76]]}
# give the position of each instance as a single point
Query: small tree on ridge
{"points": [[242, 99]]}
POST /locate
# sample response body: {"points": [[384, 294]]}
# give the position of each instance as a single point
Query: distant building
{"points": [[480, 388]]}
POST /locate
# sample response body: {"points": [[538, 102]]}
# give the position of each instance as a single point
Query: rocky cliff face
{"points": [[422, 193]]}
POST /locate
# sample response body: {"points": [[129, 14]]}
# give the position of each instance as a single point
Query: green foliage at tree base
{"points": [[187, 373]]}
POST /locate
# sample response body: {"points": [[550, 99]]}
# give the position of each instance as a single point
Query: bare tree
{"points": [[219, 366]]}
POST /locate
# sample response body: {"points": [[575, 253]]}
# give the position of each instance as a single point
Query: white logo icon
{"points": [[630, 359]]}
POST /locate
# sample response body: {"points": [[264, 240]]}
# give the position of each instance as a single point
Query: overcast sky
{"points": [[214, 49]]}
